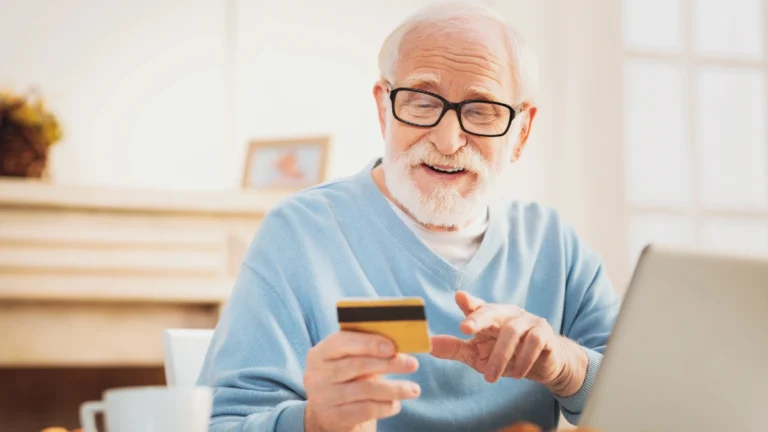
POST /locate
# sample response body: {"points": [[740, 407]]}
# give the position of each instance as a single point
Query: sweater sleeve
{"points": [[256, 360], [591, 306]]}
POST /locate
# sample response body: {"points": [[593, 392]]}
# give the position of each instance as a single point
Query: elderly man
{"points": [[519, 308]]}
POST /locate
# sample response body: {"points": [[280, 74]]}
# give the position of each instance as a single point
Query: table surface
{"points": [[530, 427], [518, 427]]}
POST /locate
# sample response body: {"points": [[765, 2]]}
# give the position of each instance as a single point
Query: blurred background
{"points": [[651, 127]]}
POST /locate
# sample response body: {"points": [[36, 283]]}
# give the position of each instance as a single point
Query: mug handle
{"points": [[88, 411]]}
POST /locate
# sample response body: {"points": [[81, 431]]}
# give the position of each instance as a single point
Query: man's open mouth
{"points": [[445, 170]]}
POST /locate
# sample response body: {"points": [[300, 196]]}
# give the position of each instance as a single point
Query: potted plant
{"points": [[27, 131]]}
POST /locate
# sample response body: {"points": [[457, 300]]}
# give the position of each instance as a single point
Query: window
{"points": [[695, 120]]}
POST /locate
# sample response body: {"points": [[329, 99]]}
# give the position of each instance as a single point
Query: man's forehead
{"points": [[422, 79], [483, 89]]}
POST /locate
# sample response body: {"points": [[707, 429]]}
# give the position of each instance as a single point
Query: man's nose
{"points": [[447, 135]]}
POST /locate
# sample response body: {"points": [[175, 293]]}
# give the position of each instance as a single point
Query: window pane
{"points": [[657, 151], [728, 27], [731, 137], [653, 24], [735, 235], [660, 229]]}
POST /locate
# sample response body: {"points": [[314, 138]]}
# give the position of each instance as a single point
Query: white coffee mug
{"points": [[151, 409]]}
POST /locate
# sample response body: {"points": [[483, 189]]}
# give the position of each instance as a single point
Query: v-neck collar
{"points": [[378, 207]]}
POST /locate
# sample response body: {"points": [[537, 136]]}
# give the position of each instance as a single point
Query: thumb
{"points": [[467, 302], [453, 348]]}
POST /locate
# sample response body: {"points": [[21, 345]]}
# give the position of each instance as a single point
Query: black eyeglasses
{"points": [[477, 117]]}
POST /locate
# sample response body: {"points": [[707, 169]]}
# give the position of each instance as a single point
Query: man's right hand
{"points": [[345, 389]]}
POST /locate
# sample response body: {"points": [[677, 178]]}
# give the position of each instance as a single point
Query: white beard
{"points": [[445, 206]]}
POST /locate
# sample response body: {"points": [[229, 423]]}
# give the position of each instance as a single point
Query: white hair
{"points": [[454, 15]]}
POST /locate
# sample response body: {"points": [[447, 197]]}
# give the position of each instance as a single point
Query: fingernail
{"points": [[492, 372], [386, 348], [411, 362], [415, 389]]}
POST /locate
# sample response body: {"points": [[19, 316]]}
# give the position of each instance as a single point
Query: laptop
{"points": [[689, 350]]}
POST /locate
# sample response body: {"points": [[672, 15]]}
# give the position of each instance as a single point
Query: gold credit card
{"points": [[400, 319]]}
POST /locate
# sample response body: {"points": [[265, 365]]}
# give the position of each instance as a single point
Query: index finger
{"points": [[488, 316], [346, 343], [467, 302]]}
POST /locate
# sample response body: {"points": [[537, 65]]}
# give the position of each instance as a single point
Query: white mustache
{"points": [[466, 158]]}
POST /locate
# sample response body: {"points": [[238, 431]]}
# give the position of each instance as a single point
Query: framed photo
{"points": [[288, 164]]}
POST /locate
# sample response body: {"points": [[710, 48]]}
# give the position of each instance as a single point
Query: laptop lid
{"points": [[689, 351]]}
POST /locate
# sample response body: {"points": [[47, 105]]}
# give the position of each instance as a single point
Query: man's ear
{"points": [[525, 131], [380, 95]]}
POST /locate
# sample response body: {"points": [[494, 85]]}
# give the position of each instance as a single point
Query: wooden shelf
{"points": [[91, 276], [108, 288], [25, 193]]}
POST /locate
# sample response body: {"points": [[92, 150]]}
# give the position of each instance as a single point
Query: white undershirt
{"points": [[456, 247]]}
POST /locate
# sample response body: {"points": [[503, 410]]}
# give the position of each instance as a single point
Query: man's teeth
{"points": [[446, 170]]}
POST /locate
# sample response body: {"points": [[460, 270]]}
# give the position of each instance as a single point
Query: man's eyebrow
{"points": [[479, 92], [421, 79]]}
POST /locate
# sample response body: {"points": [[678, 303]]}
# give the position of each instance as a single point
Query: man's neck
{"points": [[378, 178]]}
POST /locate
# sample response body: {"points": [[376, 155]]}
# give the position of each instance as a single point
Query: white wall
{"points": [[140, 86]]}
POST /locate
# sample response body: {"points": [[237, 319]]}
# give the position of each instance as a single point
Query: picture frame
{"points": [[286, 164]]}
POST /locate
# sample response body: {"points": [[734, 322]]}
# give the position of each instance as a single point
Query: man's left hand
{"points": [[510, 342]]}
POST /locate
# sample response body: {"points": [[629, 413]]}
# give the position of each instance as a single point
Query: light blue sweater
{"points": [[342, 239]]}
